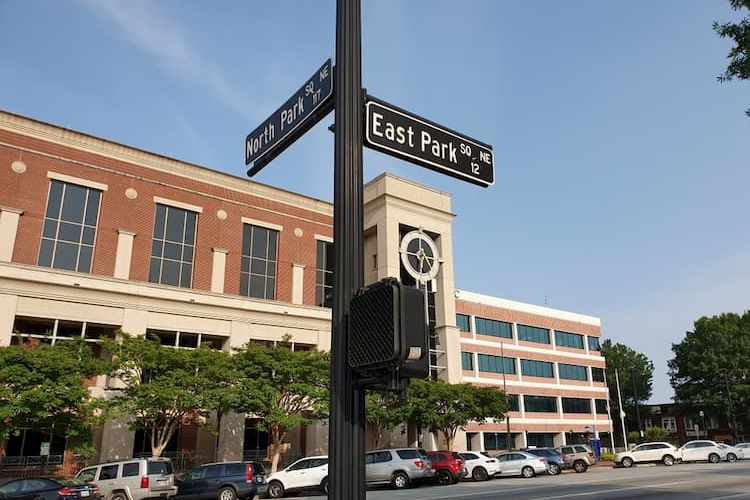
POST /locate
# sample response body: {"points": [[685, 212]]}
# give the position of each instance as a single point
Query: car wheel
{"points": [[275, 489], [731, 457], [227, 493], [554, 469], [324, 486], [400, 480], [667, 460], [580, 466], [119, 496], [479, 474], [528, 472], [627, 462], [444, 477], [714, 458]]}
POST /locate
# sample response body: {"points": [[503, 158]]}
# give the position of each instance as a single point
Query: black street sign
{"points": [[417, 140], [304, 109]]}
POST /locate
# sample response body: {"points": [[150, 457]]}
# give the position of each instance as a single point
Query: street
{"points": [[684, 481]]}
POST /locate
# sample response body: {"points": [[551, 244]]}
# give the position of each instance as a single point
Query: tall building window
{"points": [[258, 266], [324, 274], [533, 334], [495, 441], [173, 246], [69, 227], [496, 364], [594, 344], [494, 328], [463, 323], [534, 368], [566, 339], [597, 374], [601, 407], [539, 404], [576, 405], [572, 372], [513, 400], [467, 361]]}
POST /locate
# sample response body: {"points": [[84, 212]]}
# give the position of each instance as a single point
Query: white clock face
{"points": [[419, 255]]}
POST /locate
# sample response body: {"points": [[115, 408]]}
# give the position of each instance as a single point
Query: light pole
{"points": [[703, 418], [731, 408], [635, 399]]}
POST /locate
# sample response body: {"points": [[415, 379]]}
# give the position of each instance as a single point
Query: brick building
{"points": [[97, 236]]}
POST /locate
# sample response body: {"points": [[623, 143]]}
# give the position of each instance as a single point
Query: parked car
{"points": [[520, 463], [132, 479], [224, 480], [399, 467], [479, 465], [578, 457], [665, 453], [449, 467], [555, 459], [743, 446], [44, 488], [701, 451], [731, 453], [304, 474]]}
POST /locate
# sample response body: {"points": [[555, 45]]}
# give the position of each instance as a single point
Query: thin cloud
{"points": [[163, 39]]}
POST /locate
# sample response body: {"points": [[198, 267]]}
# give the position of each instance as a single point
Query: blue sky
{"points": [[621, 164]]}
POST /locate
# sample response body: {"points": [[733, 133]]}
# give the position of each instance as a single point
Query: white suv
{"points": [[701, 451], [649, 452], [479, 466], [304, 474]]}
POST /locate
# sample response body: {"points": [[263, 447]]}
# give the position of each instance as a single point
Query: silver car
{"points": [[520, 463], [731, 453], [701, 450], [399, 467], [132, 479]]}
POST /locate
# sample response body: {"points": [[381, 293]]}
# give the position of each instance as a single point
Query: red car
{"points": [[449, 467]]}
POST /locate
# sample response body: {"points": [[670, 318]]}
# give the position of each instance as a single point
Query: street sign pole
{"points": [[346, 437]]}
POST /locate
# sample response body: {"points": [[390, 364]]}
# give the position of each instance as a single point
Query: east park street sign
{"points": [[417, 140], [304, 109]]}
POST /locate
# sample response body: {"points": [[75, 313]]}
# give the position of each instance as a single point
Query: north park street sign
{"points": [[304, 109], [417, 140]]}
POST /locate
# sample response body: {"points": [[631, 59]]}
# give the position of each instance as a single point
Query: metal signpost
{"points": [[415, 139], [310, 104], [392, 131]]}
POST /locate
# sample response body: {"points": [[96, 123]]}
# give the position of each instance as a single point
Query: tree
{"points": [[383, 411], [445, 408], [282, 387], [635, 371], [42, 387], [656, 434], [739, 55], [163, 387], [709, 370]]}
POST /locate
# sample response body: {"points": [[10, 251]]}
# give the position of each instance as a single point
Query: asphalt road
{"points": [[683, 482]]}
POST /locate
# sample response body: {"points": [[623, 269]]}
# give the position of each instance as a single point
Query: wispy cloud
{"points": [[163, 38]]}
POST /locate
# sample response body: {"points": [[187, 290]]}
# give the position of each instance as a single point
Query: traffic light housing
{"points": [[388, 330]]}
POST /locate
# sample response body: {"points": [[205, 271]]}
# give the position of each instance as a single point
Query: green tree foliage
{"points": [[739, 54], [282, 387], [710, 365], [383, 411], [42, 387], [445, 408], [656, 434], [163, 387], [631, 366]]}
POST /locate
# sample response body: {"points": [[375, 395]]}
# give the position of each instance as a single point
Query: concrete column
{"points": [[218, 270], [124, 253], [231, 437], [298, 287], [134, 321], [9, 218], [8, 304], [117, 440], [559, 439]]}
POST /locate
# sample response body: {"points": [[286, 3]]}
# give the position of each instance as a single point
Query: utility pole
{"points": [[731, 408], [622, 413], [346, 440], [505, 390]]}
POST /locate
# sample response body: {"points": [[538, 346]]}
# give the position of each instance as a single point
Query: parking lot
{"points": [[683, 481]]}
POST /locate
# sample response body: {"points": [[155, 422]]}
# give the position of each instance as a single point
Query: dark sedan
{"points": [[46, 488]]}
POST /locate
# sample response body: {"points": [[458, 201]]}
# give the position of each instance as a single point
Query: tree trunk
{"points": [[277, 436]]}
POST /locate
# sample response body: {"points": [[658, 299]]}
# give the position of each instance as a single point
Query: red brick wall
{"points": [[28, 192]]}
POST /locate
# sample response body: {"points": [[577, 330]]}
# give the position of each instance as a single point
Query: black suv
{"points": [[555, 461], [223, 480]]}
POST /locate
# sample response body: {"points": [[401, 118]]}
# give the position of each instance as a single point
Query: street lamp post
{"points": [[635, 399], [505, 390], [731, 408], [703, 419]]}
